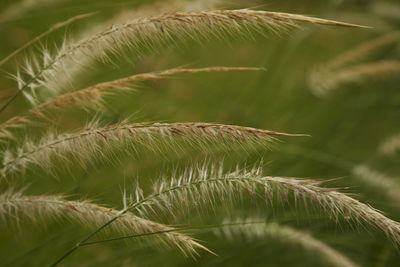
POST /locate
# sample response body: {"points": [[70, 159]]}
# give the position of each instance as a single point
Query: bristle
{"points": [[94, 142], [207, 185], [92, 97], [15, 205], [143, 33]]}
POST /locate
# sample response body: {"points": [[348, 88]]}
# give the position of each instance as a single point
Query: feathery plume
{"points": [[92, 97], [31, 42], [387, 185], [157, 8], [289, 235], [210, 185], [95, 142], [149, 33], [16, 206]]}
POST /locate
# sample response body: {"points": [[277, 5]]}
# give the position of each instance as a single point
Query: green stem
{"points": [[196, 227], [71, 250], [53, 28], [80, 243]]}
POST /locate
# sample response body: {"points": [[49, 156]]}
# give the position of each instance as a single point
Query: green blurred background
{"points": [[346, 129]]}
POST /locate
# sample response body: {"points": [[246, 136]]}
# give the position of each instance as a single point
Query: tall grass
{"points": [[47, 79]]}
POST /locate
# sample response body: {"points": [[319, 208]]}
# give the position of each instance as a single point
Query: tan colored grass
{"points": [[96, 142], [92, 97], [147, 33], [210, 185], [77, 71], [15, 206]]}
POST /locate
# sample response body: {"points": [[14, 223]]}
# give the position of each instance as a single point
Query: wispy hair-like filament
{"points": [[15, 206], [147, 33], [93, 143], [92, 97], [209, 185]]}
